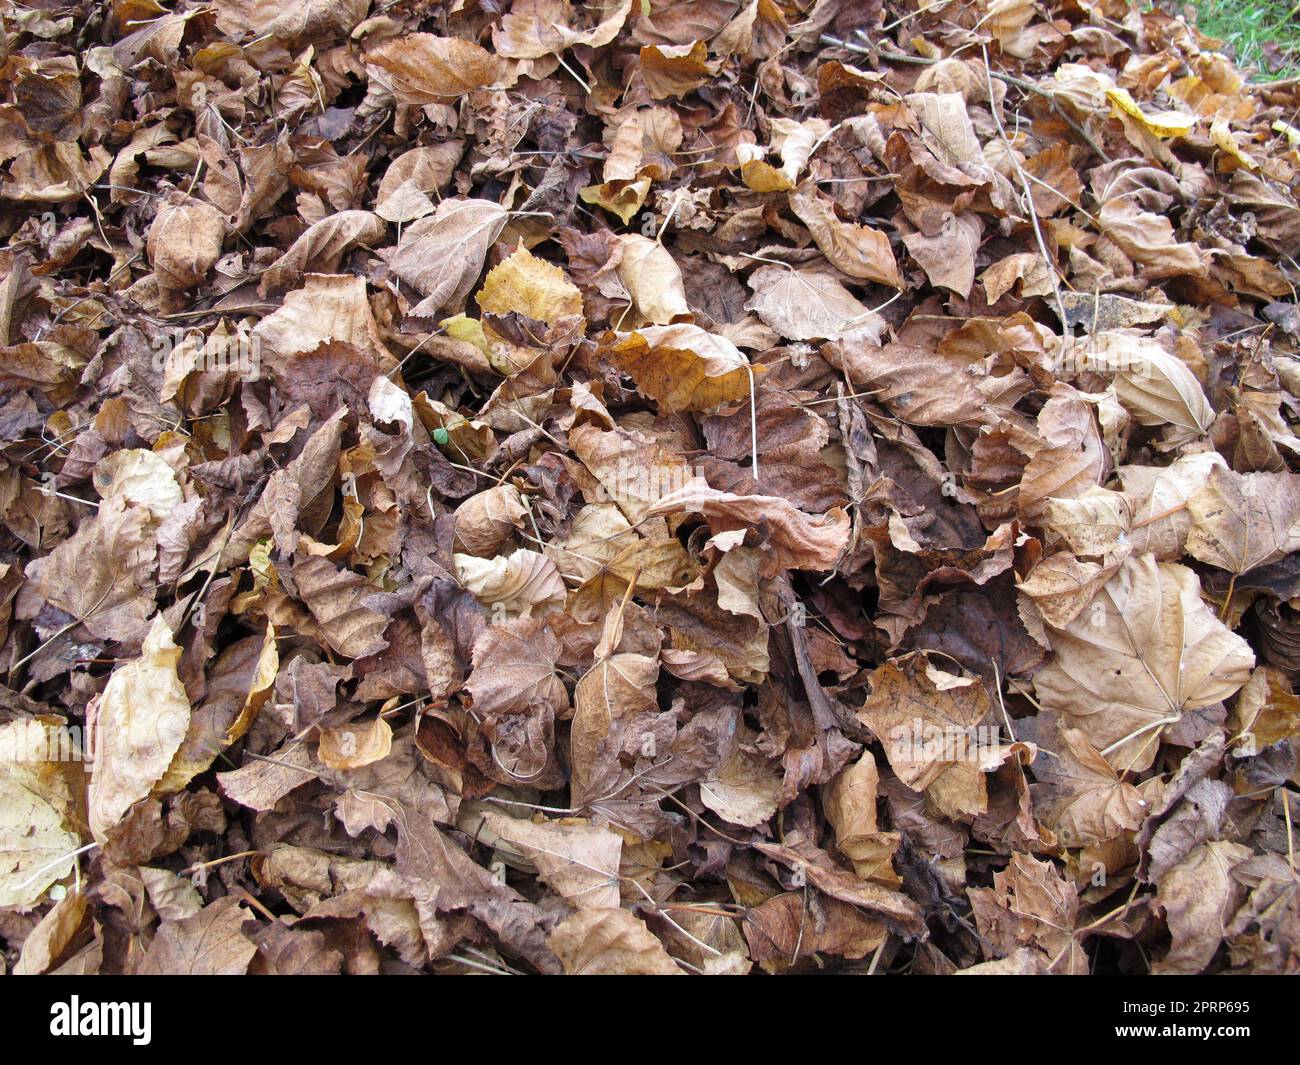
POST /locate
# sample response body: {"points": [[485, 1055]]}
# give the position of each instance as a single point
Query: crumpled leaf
{"points": [[682, 367], [184, 242], [322, 246], [536, 28], [665, 486], [653, 279], [796, 540], [674, 70], [521, 584], [927, 720], [1030, 904], [858, 251]]}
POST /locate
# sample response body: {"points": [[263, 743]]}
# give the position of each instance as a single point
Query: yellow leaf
{"points": [[622, 198], [1226, 141], [470, 330], [1162, 124], [529, 286]]}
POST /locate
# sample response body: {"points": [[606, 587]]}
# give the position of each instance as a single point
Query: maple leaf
{"points": [[1148, 652]]}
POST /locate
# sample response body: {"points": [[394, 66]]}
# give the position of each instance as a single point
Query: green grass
{"points": [[1261, 33]]}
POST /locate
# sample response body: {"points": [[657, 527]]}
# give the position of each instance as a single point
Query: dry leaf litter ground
{"points": [[656, 487]]}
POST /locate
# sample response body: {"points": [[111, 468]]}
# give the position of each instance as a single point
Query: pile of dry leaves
{"points": [[650, 486]]}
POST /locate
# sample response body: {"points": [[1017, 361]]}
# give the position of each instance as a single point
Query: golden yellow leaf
{"points": [[1162, 123], [620, 197], [527, 285]]}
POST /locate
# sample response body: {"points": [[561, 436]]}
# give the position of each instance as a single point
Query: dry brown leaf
{"points": [[810, 305], [536, 28], [210, 943], [184, 242], [858, 251], [927, 720], [1199, 898], [52, 936], [746, 790], [609, 942], [1155, 386], [850, 804], [794, 142], [674, 70], [653, 278], [1146, 652], [322, 246], [616, 688], [1030, 904], [1079, 794], [487, 522], [682, 367], [138, 477], [517, 585], [1243, 521], [1073, 457], [515, 670], [797, 924], [336, 598], [916, 386], [1149, 239], [577, 859], [442, 255], [326, 308], [796, 540], [948, 255], [38, 812], [355, 745], [423, 69]]}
